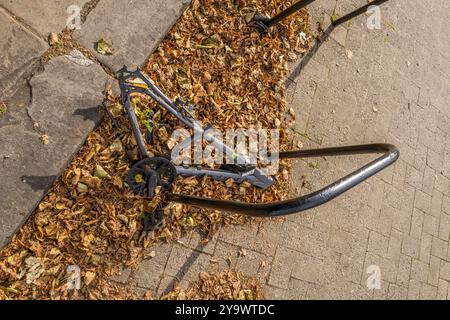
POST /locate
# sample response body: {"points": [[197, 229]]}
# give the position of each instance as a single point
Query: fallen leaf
{"points": [[82, 188], [349, 54], [44, 139], [104, 47], [53, 39], [101, 173], [89, 276]]}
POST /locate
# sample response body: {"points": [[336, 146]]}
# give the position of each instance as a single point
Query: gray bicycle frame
{"points": [[254, 176]]}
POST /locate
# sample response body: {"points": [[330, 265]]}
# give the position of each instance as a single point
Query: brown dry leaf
{"points": [[89, 277], [44, 139], [53, 39]]}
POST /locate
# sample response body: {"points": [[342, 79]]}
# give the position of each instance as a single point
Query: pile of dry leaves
{"points": [[225, 285], [89, 218]]}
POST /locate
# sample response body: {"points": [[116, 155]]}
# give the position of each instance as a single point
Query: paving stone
{"points": [[282, 267], [445, 270], [446, 204], [167, 284], [397, 292], [239, 235], [351, 266], [345, 242], [9, 224], [429, 178], [30, 167], [44, 16], [225, 255], [274, 293], [426, 137], [387, 267], [442, 293], [395, 245], [254, 264], [307, 268], [151, 271], [436, 203], [433, 273], [425, 247], [419, 270], [298, 289], [411, 247], [414, 289], [439, 248], [420, 158], [23, 50], [428, 292], [422, 201], [404, 270], [434, 159], [186, 264], [444, 227], [417, 223], [401, 219], [196, 243], [311, 242], [378, 244], [430, 224], [382, 293], [133, 28], [267, 238]]}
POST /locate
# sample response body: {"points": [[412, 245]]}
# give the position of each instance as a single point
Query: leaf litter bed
{"points": [[235, 78], [224, 285]]}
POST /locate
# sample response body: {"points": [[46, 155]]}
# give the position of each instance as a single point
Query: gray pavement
{"points": [[20, 50], [43, 16], [133, 28]]}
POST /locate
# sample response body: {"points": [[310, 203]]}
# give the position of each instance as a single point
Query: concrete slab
{"points": [[133, 28], [64, 105], [44, 16], [19, 49]]}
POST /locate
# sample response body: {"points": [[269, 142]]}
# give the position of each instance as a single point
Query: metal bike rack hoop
{"points": [[275, 209]]}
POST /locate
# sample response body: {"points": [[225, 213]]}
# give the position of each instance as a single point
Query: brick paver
{"points": [[362, 86]]}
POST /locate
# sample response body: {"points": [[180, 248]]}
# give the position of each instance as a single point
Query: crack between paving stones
{"points": [[23, 23], [87, 9]]}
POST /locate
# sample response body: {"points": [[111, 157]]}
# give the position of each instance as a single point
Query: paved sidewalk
{"points": [[388, 85]]}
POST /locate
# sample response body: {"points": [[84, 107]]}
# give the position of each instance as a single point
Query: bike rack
{"points": [[295, 205], [160, 171], [263, 24]]}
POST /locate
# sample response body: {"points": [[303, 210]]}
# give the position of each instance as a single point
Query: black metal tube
{"points": [[286, 13], [308, 201], [357, 12], [263, 23]]}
